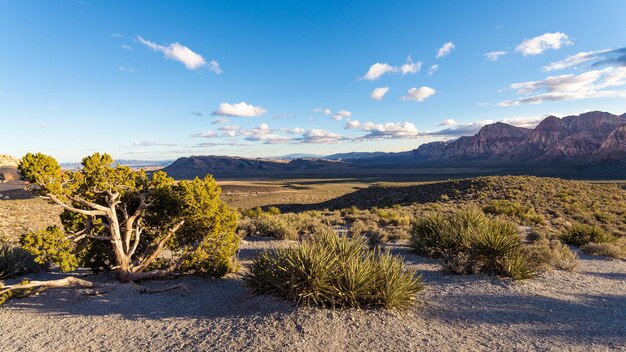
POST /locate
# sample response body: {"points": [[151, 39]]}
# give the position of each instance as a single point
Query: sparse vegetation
{"points": [[333, 271], [119, 219], [15, 261], [470, 243], [581, 234]]}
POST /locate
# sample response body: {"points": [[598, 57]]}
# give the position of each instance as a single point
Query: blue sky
{"points": [[159, 80]]}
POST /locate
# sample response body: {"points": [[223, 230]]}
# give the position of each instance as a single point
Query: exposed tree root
{"points": [[39, 286], [143, 289]]}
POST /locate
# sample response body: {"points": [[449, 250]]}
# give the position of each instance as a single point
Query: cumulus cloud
{"points": [[379, 93], [341, 114], [317, 136], [241, 109], [410, 66], [590, 84], [616, 57], [419, 94], [377, 70], [392, 130], [448, 122], [433, 69], [445, 50], [494, 55], [468, 129], [183, 54], [539, 44]]}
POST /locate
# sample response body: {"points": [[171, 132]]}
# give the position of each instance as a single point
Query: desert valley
{"points": [[312, 176]]}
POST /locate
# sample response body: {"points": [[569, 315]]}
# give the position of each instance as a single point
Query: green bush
{"points": [[274, 226], [471, 243], [15, 261], [332, 271], [50, 246], [581, 234]]}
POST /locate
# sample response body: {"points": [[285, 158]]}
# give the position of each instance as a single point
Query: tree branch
{"points": [[57, 201], [156, 249]]}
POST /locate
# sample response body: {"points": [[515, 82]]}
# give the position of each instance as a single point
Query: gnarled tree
{"points": [[120, 219]]}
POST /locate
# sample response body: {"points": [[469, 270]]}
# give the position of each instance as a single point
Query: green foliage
{"points": [[50, 246], [470, 243], [334, 271], [205, 243], [581, 234], [15, 261], [514, 209]]}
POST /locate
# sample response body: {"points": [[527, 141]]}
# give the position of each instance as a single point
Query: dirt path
{"points": [[558, 311]]}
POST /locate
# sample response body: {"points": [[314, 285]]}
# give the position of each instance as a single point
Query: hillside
{"points": [[224, 166], [586, 146], [582, 138]]}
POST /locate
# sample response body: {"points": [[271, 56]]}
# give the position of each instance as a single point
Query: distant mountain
{"points": [[590, 145], [227, 166], [135, 164], [295, 156], [583, 138]]}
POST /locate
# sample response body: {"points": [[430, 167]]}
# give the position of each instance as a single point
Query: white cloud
{"points": [[394, 130], [473, 127], [241, 109], [583, 57], [126, 47], [324, 111], [263, 133], [206, 134], [219, 121], [377, 70], [494, 55], [539, 44], [448, 122], [419, 94], [410, 66], [183, 54], [433, 69], [341, 114], [316, 136], [379, 93], [590, 84], [445, 50]]}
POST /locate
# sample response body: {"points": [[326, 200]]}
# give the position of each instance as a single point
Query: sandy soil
{"points": [[558, 311]]}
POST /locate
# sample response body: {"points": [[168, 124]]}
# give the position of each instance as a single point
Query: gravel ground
{"points": [[558, 311]]}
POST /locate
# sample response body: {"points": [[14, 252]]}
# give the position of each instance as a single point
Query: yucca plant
{"points": [[494, 243], [15, 261], [581, 234], [332, 271]]}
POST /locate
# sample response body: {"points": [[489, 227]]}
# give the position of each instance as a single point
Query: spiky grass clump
{"points": [[332, 271], [471, 243], [615, 250], [581, 234], [15, 261]]}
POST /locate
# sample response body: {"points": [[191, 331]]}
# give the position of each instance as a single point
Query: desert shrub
{"points": [[614, 250], [581, 234], [514, 209], [551, 254], [15, 261], [275, 226], [432, 235], [333, 271], [470, 243]]}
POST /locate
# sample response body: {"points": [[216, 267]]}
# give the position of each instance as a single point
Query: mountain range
{"points": [[593, 142]]}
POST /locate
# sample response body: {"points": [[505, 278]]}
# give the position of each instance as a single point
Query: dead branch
{"points": [[69, 281], [143, 289]]}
